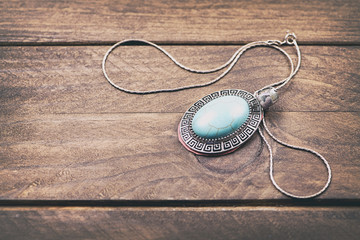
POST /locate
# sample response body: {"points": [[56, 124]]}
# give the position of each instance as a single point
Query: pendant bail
{"points": [[267, 97]]}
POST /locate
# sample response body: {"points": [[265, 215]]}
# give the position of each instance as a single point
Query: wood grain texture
{"points": [[320, 21], [53, 80], [180, 223], [137, 156], [67, 138]]}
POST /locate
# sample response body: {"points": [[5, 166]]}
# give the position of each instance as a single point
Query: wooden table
{"points": [[82, 160]]}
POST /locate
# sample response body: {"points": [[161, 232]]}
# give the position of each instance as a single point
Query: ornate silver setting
{"points": [[229, 143]]}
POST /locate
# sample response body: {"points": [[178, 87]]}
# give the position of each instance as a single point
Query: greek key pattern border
{"points": [[229, 143]]}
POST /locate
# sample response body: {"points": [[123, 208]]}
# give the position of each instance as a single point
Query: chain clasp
{"points": [[290, 38]]}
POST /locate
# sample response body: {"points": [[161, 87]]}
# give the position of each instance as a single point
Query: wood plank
{"points": [[180, 223], [66, 134], [319, 21], [137, 156], [44, 80]]}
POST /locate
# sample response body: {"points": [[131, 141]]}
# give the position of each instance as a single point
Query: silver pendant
{"points": [[220, 122]]}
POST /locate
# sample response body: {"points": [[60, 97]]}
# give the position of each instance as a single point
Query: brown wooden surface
{"points": [[124, 156], [67, 138], [180, 223], [58, 80], [178, 21]]}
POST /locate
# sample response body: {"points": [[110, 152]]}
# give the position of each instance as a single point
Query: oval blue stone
{"points": [[220, 117]]}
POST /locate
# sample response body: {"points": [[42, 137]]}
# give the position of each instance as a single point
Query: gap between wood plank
{"points": [[184, 203], [183, 43]]}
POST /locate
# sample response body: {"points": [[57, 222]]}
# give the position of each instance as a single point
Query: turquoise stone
{"points": [[220, 117]]}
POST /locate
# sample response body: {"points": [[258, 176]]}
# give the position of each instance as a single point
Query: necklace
{"points": [[221, 122]]}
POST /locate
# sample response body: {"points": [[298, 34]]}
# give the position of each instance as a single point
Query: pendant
{"points": [[220, 122]]}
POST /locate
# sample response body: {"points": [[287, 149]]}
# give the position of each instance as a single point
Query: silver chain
{"points": [[290, 39], [297, 148], [230, 64]]}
